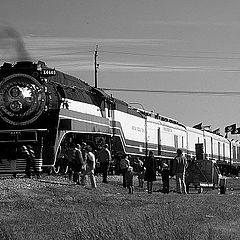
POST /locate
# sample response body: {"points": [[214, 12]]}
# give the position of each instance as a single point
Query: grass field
{"points": [[54, 208]]}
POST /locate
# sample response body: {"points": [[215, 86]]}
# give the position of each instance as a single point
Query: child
{"points": [[165, 177], [129, 179]]}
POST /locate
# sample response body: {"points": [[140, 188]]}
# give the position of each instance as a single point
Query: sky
{"points": [[162, 45]]}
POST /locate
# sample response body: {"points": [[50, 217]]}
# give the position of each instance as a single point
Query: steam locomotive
{"points": [[50, 110]]}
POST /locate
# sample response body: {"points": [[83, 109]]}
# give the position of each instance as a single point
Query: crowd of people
{"points": [[82, 161], [146, 171]]}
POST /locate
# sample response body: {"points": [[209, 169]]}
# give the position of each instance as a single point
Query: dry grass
{"points": [[32, 209]]}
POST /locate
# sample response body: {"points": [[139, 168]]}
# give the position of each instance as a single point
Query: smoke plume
{"points": [[12, 45]]}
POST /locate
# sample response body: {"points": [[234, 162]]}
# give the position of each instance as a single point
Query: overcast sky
{"points": [[171, 45]]}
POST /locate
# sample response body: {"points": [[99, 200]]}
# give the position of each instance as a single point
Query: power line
{"points": [[72, 53], [172, 56], [173, 92], [176, 50], [188, 68]]}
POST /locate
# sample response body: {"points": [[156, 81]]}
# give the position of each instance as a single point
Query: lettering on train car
{"points": [[166, 129]]}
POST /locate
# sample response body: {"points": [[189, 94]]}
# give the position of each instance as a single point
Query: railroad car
{"points": [[50, 110]]}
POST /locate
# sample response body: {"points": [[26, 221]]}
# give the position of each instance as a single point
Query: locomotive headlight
{"points": [[22, 99]]}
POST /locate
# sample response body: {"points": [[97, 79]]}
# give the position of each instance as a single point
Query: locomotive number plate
{"points": [[48, 72]]}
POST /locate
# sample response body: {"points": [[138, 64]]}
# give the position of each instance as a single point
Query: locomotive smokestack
{"points": [[10, 40]]}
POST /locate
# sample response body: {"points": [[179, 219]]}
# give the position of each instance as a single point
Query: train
{"points": [[50, 110]]}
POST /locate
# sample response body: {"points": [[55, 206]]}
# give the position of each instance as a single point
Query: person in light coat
{"points": [[90, 167], [179, 165], [124, 164], [129, 179]]}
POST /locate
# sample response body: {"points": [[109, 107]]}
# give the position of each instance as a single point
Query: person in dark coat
{"points": [[104, 157], [150, 174], [71, 157], [165, 172], [77, 164], [29, 154]]}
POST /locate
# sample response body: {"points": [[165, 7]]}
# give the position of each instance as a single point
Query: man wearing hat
{"points": [[179, 165], [104, 158]]}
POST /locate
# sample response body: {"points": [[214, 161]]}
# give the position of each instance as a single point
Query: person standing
{"points": [[150, 174], [124, 164], [129, 179], [165, 172], [179, 166], [84, 155], [104, 157], [90, 166], [29, 154], [140, 172], [71, 159], [77, 164]]}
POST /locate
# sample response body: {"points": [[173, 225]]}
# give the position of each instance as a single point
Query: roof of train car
{"points": [[207, 133], [73, 88], [70, 82]]}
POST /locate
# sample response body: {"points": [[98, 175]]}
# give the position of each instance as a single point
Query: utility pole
{"points": [[96, 65]]}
